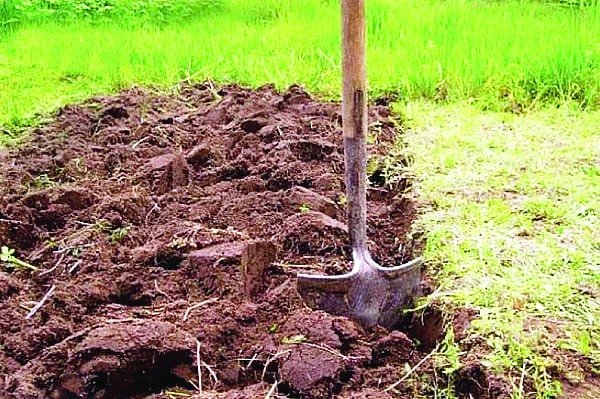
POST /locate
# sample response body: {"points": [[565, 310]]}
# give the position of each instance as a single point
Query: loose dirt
{"points": [[170, 229]]}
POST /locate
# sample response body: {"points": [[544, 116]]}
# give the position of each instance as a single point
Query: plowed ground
{"points": [[168, 230]]}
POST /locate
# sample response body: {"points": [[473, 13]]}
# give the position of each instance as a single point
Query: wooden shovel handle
{"points": [[355, 121], [354, 64]]}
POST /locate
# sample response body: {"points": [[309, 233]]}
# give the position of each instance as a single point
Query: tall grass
{"points": [[27, 12], [502, 53]]}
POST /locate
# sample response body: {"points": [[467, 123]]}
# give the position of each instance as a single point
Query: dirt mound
{"points": [[168, 230]]}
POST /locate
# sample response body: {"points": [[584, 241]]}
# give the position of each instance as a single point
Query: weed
{"points": [[6, 256], [42, 181], [51, 243], [304, 208], [448, 356], [102, 226], [118, 234], [273, 328], [178, 393], [296, 339], [342, 200]]}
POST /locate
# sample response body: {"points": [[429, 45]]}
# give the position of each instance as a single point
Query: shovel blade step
{"points": [[369, 296]]}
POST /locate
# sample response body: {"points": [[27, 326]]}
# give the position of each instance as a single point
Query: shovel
{"points": [[370, 294]]}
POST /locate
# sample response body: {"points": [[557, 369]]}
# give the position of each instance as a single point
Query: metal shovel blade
{"points": [[369, 294]]}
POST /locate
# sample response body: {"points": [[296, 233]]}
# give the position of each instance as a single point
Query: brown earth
{"points": [[168, 230]]}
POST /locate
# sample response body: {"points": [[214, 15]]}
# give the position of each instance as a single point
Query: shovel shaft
{"points": [[355, 119], [356, 181], [354, 64]]}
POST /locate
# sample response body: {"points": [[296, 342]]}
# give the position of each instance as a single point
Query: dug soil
{"points": [[168, 230]]}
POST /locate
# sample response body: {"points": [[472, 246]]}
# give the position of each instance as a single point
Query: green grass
{"points": [[503, 54], [512, 222]]}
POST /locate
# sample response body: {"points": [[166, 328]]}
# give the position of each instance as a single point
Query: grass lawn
{"points": [[512, 220]]}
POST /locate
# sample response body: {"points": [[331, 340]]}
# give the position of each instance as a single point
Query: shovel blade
{"points": [[368, 295]]}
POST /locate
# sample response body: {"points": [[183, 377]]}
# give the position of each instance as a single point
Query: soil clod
{"points": [[257, 256]]}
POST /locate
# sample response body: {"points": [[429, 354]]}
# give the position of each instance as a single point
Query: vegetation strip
{"points": [[505, 54], [512, 229]]}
